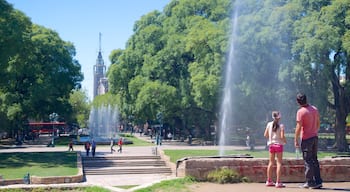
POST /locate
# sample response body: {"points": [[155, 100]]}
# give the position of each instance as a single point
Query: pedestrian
{"points": [[93, 148], [140, 131], [87, 148], [70, 145], [112, 145], [274, 132], [307, 126], [120, 144]]}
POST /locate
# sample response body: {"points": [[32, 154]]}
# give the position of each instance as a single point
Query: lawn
{"points": [[179, 154], [63, 141], [42, 164], [135, 140], [174, 185]]}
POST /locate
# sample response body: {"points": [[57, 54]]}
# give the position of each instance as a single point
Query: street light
{"points": [[159, 135], [53, 118]]}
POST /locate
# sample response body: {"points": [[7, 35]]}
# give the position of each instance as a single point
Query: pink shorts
{"points": [[276, 148]]}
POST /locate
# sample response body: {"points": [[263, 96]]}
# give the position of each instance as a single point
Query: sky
{"points": [[81, 21]]}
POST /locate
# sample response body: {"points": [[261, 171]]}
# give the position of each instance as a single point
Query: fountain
{"points": [[226, 111], [103, 123]]}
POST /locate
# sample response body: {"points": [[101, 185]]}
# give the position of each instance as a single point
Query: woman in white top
{"points": [[274, 132]]}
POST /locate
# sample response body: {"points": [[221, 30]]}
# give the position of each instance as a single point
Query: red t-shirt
{"points": [[307, 116]]}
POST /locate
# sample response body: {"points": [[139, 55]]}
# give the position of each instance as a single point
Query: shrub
{"points": [[126, 135], [225, 175]]}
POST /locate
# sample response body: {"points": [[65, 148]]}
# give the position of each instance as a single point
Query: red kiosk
{"points": [[45, 127]]}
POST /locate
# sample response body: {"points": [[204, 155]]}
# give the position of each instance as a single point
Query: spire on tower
{"points": [[100, 42]]}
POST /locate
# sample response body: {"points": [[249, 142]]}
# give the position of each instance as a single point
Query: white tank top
{"points": [[275, 137]]}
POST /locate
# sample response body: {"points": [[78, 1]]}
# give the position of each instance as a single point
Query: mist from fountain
{"points": [[103, 123], [226, 110]]}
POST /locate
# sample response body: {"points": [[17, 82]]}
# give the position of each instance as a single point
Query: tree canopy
{"points": [[38, 71], [174, 61]]}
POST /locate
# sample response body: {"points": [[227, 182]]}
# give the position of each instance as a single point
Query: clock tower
{"points": [[100, 73]]}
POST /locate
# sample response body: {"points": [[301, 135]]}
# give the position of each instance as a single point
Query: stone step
{"points": [[120, 171], [123, 163], [118, 165], [126, 157]]}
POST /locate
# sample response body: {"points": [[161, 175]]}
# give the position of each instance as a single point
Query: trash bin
{"points": [[190, 139], [26, 179]]}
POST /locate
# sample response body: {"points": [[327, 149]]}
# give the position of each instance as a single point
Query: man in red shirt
{"points": [[308, 123]]}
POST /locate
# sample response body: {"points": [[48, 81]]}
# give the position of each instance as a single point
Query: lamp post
{"points": [[53, 118], [160, 120]]}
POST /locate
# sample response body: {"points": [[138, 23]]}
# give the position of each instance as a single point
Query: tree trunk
{"points": [[341, 108]]}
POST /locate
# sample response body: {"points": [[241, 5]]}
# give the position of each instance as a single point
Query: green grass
{"points": [[126, 186], [42, 164], [179, 154], [174, 185], [135, 140], [320, 136], [62, 141]]}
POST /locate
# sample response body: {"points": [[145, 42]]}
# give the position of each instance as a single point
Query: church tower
{"points": [[100, 81]]}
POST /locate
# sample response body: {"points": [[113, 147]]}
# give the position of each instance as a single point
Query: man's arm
{"points": [[297, 134], [318, 121], [283, 137]]}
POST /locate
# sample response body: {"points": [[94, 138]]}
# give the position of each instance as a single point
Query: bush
{"points": [[225, 175], [126, 135]]}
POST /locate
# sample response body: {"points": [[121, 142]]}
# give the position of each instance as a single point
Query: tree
{"points": [[81, 107], [56, 73], [281, 47], [322, 50], [39, 70]]}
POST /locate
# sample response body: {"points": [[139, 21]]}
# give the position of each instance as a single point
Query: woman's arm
{"points": [[266, 134]]}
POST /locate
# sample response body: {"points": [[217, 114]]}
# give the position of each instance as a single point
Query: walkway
{"points": [[112, 181]]}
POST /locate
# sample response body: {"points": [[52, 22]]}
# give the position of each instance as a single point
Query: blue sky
{"points": [[81, 21]]}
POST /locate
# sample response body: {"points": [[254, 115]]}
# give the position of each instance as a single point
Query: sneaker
{"points": [[310, 186], [317, 186], [270, 183], [280, 185], [305, 185]]}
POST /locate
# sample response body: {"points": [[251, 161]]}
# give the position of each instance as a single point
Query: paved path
{"points": [[260, 187], [112, 181]]}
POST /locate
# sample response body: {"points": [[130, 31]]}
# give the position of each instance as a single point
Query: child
{"points": [[274, 132], [93, 148], [112, 145], [120, 144], [70, 145], [87, 148]]}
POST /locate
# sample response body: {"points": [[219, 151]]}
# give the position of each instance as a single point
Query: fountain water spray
{"points": [[103, 122], [226, 110]]}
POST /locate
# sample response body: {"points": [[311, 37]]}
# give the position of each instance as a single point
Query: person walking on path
{"points": [[274, 132], [93, 148], [307, 126], [112, 145], [70, 145], [120, 144], [87, 148]]}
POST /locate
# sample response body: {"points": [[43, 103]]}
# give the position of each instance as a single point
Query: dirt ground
{"points": [[260, 187]]}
